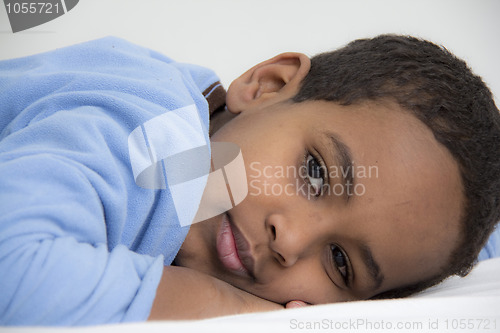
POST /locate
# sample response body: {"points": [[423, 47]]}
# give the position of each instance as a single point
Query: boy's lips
{"points": [[233, 249]]}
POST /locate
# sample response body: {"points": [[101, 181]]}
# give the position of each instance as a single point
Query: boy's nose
{"points": [[287, 241]]}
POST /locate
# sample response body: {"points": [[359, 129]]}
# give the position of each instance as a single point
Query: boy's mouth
{"points": [[233, 249]]}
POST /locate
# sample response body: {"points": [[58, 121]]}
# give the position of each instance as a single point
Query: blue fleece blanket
{"points": [[71, 211]]}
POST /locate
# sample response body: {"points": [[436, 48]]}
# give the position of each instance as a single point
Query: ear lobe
{"points": [[269, 82]]}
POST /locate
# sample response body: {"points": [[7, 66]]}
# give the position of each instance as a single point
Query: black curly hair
{"points": [[442, 92]]}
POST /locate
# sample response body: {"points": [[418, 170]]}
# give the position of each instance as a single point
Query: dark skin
{"points": [[300, 248]]}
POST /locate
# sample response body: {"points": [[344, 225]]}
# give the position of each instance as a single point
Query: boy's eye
{"points": [[340, 261], [315, 174]]}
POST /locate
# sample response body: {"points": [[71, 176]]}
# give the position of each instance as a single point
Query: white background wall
{"points": [[230, 35]]}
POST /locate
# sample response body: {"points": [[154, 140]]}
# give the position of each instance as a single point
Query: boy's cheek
{"points": [[226, 184]]}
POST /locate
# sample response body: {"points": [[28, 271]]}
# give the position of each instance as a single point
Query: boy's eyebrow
{"points": [[342, 154], [372, 266]]}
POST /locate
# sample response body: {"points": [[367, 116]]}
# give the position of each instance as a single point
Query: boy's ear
{"points": [[271, 81]]}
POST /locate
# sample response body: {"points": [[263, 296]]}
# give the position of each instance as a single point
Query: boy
{"points": [[399, 106]]}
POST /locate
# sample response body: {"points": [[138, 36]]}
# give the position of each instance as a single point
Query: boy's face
{"points": [[307, 231]]}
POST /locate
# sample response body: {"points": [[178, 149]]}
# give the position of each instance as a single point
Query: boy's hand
{"points": [[295, 304], [184, 293]]}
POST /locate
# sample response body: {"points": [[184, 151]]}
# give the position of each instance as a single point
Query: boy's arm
{"points": [[184, 293]]}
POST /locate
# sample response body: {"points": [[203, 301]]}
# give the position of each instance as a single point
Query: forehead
{"points": [[412, 203]]}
